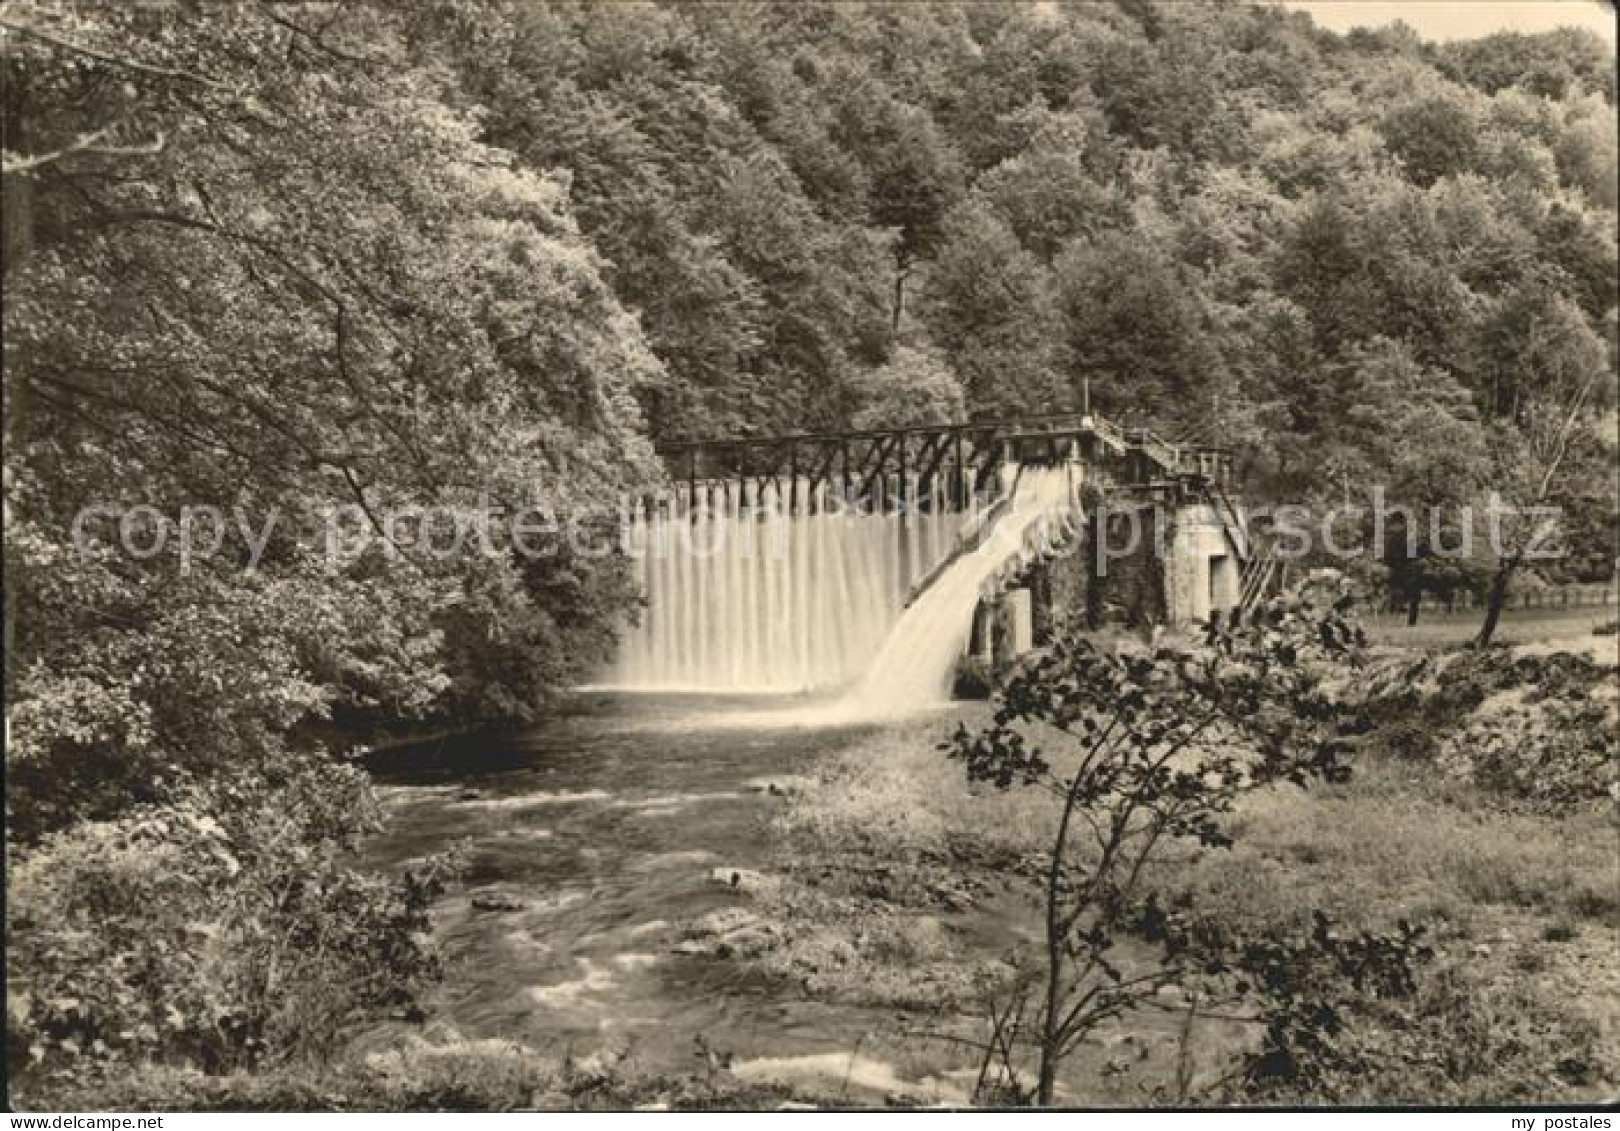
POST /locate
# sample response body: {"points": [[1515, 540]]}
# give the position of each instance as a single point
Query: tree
{"points": [[215, 326], [1533, 341], [1158, 744], [1550, 375], [1134, 330], [1537, 466], [914, 388], [1587, 151], [991, 306], [1433, 138], [1555, 64], [320, 294], [914, 176], [1412, 434], [1046, 193]]}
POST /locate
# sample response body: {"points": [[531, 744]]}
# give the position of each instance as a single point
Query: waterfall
{"points": [[775, 587], [914, 667]]}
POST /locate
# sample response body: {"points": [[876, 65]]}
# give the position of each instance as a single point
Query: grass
{"points": [[1521, 1004], [1387, 845], [904, 894], [895, 791], [1391, 842], [447, 1073], [1517, 626]]}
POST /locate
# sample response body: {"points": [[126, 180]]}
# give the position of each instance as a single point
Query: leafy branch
{"points": [[1160, 743]]}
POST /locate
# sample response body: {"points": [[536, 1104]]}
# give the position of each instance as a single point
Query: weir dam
{"points": [[858, 561]]}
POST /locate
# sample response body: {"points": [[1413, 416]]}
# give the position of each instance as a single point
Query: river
{"points": [[590, 841]]}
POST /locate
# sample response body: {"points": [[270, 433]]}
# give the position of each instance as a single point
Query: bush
{"points": [[1154, 746], [1553, 753], [1457, 1038], [1313, 984], [449, 1073], [453, 1075], [974, 679], [916, 387], [1536, 728], [223, 931], [1409, 739]]}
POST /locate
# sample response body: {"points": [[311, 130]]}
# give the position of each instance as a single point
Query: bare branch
{"points": [[316, 38], [12, 164]]}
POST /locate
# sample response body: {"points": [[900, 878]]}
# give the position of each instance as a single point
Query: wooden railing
{"points": [[1260, 574], [884, 465], [1230, 518]]}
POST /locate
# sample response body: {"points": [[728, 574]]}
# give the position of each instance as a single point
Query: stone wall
{"points": [[1122, 571]]}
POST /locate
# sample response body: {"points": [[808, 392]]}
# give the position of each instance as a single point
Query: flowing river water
{"points": [[595, 840], [591, 840]]}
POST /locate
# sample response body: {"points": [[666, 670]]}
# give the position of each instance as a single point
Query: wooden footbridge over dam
{"points": [[938, 465]]}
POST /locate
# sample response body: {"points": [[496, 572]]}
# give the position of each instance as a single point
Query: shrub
{"points": [[1537, 728], [974, 679], [1409, 739], [1313, 983], [447, 1073], [1552, 753], [1455, 1038], [222, 931], [1157, 744]]}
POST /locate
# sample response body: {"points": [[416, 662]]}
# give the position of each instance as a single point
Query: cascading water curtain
{"points": [[779, 588]]}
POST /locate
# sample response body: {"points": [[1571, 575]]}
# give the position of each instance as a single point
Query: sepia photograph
{"points": [[842, 556]]}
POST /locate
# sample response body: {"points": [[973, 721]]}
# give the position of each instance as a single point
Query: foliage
{"points": [[914, 388], [288, 290], [312, 265], [420, 325], [447, 1073], [223, 930], [973, 679], [1452, 1037], [1531, 730], [1311, 983], [1160, 741], [1554, 752], [1215, 216], [888, 820]]}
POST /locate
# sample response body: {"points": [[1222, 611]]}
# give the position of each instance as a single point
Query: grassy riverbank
{"points": [[1518, 626], [904, 888]]}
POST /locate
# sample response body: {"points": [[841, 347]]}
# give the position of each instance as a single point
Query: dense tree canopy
{"points": [[315, 258], [302, 289]]}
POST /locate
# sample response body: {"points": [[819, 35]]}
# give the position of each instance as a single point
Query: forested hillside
{"points": [[1217, 213], [1228, 224], [315, 261], [574, 227]]}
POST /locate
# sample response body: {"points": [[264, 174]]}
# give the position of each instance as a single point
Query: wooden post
{"points": [[691, 481], [901, 493], [956, 480], [793, 477]]}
